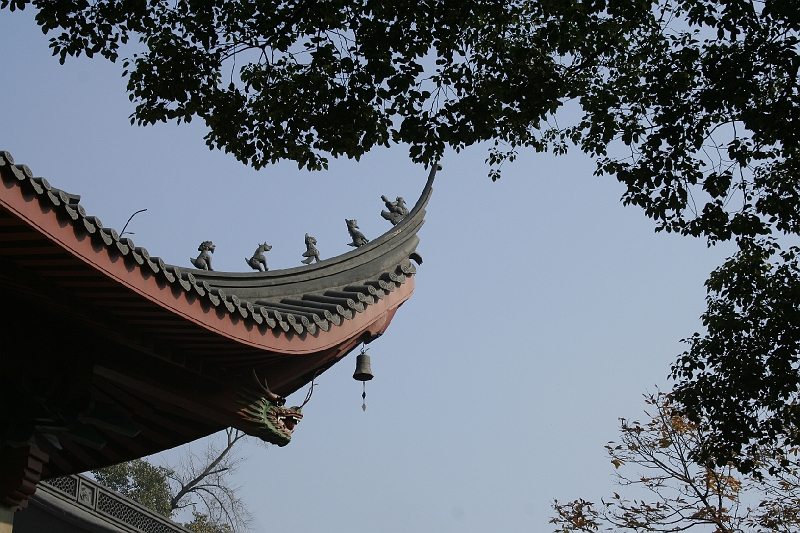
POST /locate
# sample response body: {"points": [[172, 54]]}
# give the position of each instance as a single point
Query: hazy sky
{"points": [[542, 312]]}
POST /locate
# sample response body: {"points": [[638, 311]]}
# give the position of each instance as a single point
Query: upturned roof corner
{"points": [[145, 355]]}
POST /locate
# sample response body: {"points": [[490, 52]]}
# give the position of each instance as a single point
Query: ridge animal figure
{"points": [[259, 258], [358, 237], [396, 210], [311, 253], [203, 261]]}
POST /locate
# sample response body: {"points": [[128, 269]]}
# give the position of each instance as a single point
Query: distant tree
{"points": [[670, 492], [140, 481], [202, 482], [200, 524]]}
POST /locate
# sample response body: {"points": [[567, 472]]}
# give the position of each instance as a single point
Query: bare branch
{"points": [[203, 481]]}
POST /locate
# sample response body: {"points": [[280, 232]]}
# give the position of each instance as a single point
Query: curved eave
{"points": [[225, 303]]}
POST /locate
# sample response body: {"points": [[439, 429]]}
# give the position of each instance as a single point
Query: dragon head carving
{"points": [[269, 420]]}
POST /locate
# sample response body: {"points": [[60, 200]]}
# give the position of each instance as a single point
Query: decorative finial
{"points": [[125, 227], [203, 261], [311, 253], [259, 259], [396, 210], [358, 237]]}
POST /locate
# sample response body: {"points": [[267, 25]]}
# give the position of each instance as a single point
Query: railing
{"points": [[89, 496]]}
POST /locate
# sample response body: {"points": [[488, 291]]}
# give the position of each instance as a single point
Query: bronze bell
{"points": [[363, 370]]}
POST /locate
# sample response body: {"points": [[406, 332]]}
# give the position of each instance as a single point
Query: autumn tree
{"points": [[668, 491]]}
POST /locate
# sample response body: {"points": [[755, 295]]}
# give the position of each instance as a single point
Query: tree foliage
{"points": [[742, 374], [201, 524], [699, 120], [681, 494], [140, 481], [300, 79]]}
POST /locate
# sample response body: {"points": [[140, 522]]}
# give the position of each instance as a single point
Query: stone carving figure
{"points": [[259, 259], [203, 261], [86, 495], [311, 253], [396, 210], [358, 237]]}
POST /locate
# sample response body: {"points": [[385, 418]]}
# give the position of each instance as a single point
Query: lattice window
{"points": [[111, 506], [66, 484]]}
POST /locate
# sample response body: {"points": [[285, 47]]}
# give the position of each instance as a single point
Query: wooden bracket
{"points": [[20, 472]]}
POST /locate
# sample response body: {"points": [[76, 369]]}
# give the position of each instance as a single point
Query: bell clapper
{"points": [[364, 396]]}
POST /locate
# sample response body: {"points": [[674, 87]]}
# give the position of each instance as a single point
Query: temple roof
{"points": [[168, 345]]}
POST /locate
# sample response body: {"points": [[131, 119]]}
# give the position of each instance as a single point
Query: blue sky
{"points": [[542, 311]]}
